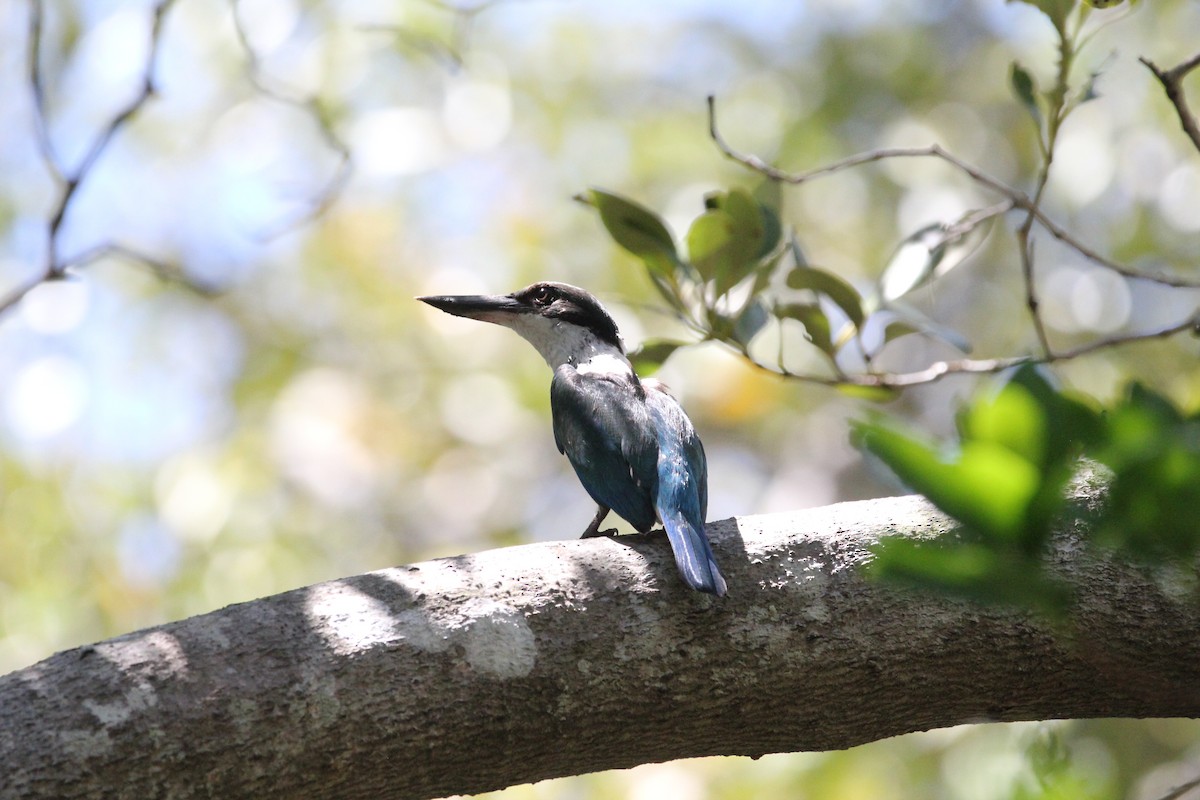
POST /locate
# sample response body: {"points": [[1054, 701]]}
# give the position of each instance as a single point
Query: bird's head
{"points": [[565, 323]]}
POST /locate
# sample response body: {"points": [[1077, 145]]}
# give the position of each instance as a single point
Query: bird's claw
{"points": [[596, 534]]}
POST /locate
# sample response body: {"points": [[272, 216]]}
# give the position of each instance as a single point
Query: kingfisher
{"points": [[630, 442]]}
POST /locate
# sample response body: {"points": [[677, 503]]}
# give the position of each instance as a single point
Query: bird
{"points": [[631, 444]]}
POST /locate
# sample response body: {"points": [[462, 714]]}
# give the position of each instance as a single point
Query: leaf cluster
{"points": [[1005, 482], [716, 279]]}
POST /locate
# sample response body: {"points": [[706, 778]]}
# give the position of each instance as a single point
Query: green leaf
{"points": [[929, 253], [772, 231], [749, 224], [650, 356], [987, 486], [709, 242], [897, 328], [1011, 418], [912, 263], [1153, 451], [906, 315], [1071, 425], [969, 569], [843, 295], [727, 241], [637, 229], [750, 322], [1026, 92], [816, 324]]}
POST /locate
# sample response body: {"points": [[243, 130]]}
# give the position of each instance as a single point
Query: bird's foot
{"points": [[592, 533]]}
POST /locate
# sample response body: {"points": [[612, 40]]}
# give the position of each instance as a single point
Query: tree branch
{"points": [[477, 672], [1014, 199], [312, 106], [68, 180], [1020, 200], [1172, 83]]}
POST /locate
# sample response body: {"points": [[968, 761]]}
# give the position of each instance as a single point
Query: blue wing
{"points": [[608, 440], [642, 459], [681, 496]]}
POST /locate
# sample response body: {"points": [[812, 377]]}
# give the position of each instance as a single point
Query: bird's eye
{"points": [[543, 296]]}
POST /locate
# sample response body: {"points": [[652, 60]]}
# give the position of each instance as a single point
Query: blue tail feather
{"points": [[693, 555]]}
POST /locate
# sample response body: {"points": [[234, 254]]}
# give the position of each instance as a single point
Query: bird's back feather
{"points": [[642, 459], [608, 440]]}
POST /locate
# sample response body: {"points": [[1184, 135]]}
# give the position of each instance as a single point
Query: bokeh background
{"points": [[288, 414]]}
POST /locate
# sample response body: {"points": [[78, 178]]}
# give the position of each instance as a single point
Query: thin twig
{"points": [[976, 366], [1016, 199], [310, 105], [1025, 248], [70, 179], [972, 219], [1172, 80], [166, 270], [18, 292], [1057, 100], [1019, 199], [38, 89], [1181, 790]]}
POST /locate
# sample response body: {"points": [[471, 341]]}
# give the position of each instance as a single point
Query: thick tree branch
{"points": [[477, 672]]}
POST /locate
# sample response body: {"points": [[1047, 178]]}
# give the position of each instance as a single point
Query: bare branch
{"points": [[1172, 82], [1019, 199], [166, 270], [1015, 199], [70, 179], [1181, 790], [18, 292], [977, 366], [38, 89], [311, 106]]}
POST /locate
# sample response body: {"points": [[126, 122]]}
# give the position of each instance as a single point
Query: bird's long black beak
{"points": [[485, 307]]}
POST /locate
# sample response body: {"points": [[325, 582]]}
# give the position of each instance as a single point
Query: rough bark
{"points": [[514, 665]]}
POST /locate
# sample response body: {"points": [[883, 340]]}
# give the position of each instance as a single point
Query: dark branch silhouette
{"points": [[68, 179], [1172, 83]]}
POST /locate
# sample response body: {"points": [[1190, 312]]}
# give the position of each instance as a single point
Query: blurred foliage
{"points": [[163, 453], [1005, 481], [739, 261]]}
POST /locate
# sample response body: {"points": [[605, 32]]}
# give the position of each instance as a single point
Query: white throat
{"points": [[563, 343]]}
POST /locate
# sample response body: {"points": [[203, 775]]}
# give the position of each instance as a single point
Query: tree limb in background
{"points": [[478, 672], [67, 179]]}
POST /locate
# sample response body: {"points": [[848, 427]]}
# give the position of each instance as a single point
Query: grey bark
{"points": [[477, 672]]}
